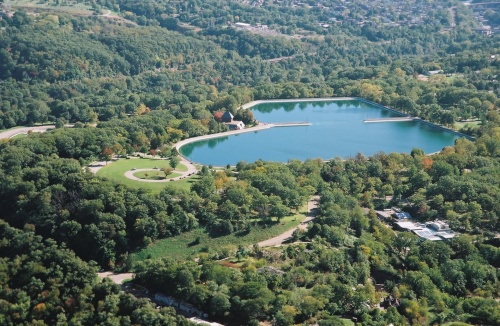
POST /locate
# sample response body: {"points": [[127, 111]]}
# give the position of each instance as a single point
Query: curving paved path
{"points": [[97, 165], [260, 126], [116, 278], [191, 169], [110, 15], [278, 240], [24, 130], [293, 100]]}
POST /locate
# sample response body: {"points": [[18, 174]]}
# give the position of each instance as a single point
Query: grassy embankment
{"points": [[116, 170], [185, 246], [19, 136], [461, 124]]}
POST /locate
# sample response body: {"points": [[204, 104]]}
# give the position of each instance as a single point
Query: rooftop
{"points": [[427, 234], [403, 215], [434, 231], [409, 226]]}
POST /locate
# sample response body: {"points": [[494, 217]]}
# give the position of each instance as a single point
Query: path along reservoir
{"points": [[337, 129]]}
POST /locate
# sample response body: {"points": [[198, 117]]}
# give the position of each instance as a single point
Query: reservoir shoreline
{"points": [[260, 126], [354, 98], [269, 125]]}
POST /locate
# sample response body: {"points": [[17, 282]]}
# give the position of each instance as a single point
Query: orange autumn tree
{"points": [[107, 154], [221, 179], [427, 162], [218, 116]]}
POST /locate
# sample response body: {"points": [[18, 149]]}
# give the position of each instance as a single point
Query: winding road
{"points": [[110, 15], [24, 130], [312, 204]]}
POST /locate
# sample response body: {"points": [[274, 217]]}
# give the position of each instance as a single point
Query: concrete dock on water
{"points": [[395, 119], [290, 124]]}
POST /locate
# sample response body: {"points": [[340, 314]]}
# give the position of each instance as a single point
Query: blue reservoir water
{"points": [[337, 130]]}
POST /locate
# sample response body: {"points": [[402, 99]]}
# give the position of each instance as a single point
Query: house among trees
{"points": [[228, 119], [433, 231], [434, 72]]}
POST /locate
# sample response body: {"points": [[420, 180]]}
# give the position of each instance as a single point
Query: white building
{"points": [[242, 25], [203, 322], [235, 125], [433, 231]]}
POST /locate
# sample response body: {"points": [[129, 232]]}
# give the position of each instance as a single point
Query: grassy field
{"points": [[183, 246], [19, 136], [473, 124], [115, 171], [155, 175], [347, 322], [73, 8]]}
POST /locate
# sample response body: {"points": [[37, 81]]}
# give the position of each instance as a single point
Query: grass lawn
{"points": [[19, 136], [115, 171], [472, 124], [183, 246], [184, 183], [155, 175], [181, 167]]}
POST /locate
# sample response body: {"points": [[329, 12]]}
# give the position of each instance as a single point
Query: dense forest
{"points": [[156, 76]]}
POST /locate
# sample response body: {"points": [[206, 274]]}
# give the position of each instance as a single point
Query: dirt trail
{"points": [[452, 11], [278, 240], [110, 15]]}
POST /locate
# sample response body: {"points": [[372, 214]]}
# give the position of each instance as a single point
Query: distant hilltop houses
{"points": [[371, 13], [228, 119], [249, 26], [379, 13]]}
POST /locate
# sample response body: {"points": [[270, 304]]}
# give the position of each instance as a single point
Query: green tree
{"points": [[174, 161]]}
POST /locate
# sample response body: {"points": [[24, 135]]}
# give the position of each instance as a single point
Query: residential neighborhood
{"points": [[372, 13]]}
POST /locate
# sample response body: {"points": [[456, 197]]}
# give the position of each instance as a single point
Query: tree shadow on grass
{"points": [[242, 233], [193, 179], [194, 242], [265, 224]]}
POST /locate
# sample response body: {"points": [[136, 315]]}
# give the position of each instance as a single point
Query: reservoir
{"points": [[336, 129]]}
